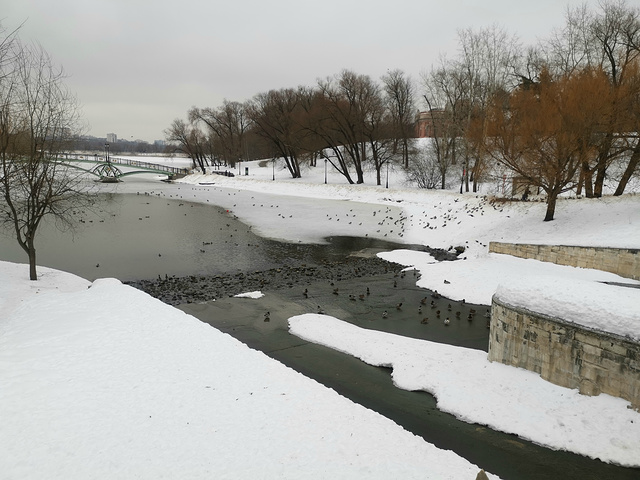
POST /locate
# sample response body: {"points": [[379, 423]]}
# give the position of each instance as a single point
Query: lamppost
{"points": [[325, 171], [387, 185], [273, 169], [106, 153]]}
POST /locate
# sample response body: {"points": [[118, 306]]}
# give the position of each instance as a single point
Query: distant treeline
{"points": [[120, 147]]}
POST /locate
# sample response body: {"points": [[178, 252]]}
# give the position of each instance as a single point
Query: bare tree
{"points": [[446, 100], [227, 126], [571, 47], [463, 86], [486, 63], [347, 102], [441, 149], [428, 169], [279, 118], [400, 96], [191, 141], [328, 139], [39, 118], [380, 134]]}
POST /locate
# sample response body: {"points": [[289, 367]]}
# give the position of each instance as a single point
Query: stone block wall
{"points": [[621, 261], [565, 354]]}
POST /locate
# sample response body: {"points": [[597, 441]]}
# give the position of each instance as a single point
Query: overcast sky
{"points": [[136, 65]]}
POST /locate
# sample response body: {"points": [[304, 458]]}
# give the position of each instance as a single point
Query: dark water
{"points": [[132, 237], [502, 454]]}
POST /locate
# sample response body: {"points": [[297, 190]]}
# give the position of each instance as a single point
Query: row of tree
{"points": [[121, 146], [349, 120], [557, 114]]}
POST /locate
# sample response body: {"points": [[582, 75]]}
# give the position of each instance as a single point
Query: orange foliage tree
{"points": [[545, 131]]}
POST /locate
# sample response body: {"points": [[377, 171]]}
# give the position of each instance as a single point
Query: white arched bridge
{"points": [[107, 170]]}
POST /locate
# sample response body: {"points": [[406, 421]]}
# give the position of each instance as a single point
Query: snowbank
{"points": [[598, 306], [254, 295], [475, 390], [477, 279], [442, 218], [107, 382]]}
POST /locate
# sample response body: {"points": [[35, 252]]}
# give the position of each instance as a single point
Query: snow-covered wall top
{"points": [[595, 305]]}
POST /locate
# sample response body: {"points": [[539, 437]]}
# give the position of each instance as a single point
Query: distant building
{"points": [[112, 137], [427, 122]]}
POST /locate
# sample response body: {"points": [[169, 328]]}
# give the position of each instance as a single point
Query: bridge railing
{"points": [[154, 166], [129, 162]]}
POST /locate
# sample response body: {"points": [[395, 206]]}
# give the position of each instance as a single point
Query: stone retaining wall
{"points": [[621, 261], [565, 354]]}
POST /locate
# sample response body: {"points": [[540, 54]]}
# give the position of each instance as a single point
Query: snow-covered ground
{"points": [[102, 381], [108, 382]]}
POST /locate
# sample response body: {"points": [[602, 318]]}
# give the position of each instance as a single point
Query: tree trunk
{"points": [[600, 175], [601, 168], [466, 174], [341, 167], [377, 163], [551, 206], [474, 178], [405, 151], [359, 172], [288, 164], [588, 183], [628, 172], [580, 181], [33, 275], [201, 163], [296, 166]]}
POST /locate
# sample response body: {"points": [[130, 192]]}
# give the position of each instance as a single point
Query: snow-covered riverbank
{"points": [[107, 382]]}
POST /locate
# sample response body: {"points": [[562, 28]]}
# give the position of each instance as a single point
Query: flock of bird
{"points": [[389, 222], [425, 304]]}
